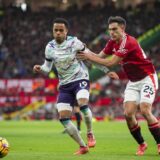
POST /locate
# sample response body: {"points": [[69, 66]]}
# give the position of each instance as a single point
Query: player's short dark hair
{"points": [[117, 19], [62, 20]]}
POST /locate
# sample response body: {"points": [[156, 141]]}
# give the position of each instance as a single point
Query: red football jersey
{"points": [[135, 63]]}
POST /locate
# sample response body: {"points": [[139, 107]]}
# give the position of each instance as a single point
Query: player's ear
{"points": [[123, 26], [67, 30]]}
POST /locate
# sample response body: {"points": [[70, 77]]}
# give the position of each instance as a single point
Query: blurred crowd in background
{"points": [[24, 35]]}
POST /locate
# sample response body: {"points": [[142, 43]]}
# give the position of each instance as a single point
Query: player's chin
{"points": [[59, 40], [113, 38]]}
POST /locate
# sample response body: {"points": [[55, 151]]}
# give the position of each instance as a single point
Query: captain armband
{"points": [[49, 60]]}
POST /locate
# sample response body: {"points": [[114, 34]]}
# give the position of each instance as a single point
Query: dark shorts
{"points": [[67, 93]]}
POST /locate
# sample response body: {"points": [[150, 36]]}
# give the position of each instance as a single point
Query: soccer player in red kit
{"points": [[142, 85]]}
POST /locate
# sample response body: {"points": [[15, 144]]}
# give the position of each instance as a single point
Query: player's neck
{"points": [[120, 38], [59, 42]]}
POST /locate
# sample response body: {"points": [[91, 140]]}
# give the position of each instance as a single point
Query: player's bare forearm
{"points": [[113, 75], [103, 61], [94, 58]]}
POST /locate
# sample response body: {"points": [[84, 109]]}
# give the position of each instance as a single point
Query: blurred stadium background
{"points": [[25, 29]]}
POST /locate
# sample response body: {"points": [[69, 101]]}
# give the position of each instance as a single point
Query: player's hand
{"points": [[37, 69], [83, 55], [113, 75], [80, 56]]}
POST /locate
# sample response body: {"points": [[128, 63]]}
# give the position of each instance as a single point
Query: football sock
{"points": [[72, 131], [155, 131], [87, 117], [78, 119], [136, 133]]}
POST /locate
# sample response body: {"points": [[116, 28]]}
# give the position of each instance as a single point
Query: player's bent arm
{"points": [[105, 69], [47, 66]]}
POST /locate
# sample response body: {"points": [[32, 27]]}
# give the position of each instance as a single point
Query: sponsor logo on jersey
{"points": [[147, 96]]}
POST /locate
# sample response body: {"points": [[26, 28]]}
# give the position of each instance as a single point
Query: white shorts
{"points": [[143, 90]]}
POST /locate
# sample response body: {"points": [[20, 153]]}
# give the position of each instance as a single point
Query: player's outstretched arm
{"points": [[89, 55]]}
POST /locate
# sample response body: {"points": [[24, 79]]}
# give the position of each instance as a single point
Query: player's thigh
{"points": [[82, 92], [82, 97], [65, 104], [132, 94], [148, 88], [130, 108], [147, 93], [131, 101]]}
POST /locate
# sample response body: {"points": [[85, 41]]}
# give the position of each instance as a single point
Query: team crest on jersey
{"points": [[114, 50], [123, 51]]}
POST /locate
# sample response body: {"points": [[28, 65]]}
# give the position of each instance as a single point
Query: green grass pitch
{"points": [[43, 140]]}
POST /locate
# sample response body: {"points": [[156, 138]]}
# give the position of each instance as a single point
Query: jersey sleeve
{"points": [[108, 48], [78, 45], [48, 52], [48, 63]]}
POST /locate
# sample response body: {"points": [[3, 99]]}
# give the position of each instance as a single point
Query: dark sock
{"points": [[78, 119], [155, 131], [136, 133]]}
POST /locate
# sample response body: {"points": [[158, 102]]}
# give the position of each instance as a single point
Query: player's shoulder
{"points": [[109, 43], [71, 39], [50, 47], [51, 44], [130, 39]]}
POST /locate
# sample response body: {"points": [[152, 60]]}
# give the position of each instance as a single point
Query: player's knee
{"points": [[145, 109], [64, 114], [128, 115], [64, 110], [82, 101]]}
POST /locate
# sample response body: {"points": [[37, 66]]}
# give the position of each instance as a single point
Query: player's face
{"points": [[116, 31], [59, 32]]}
